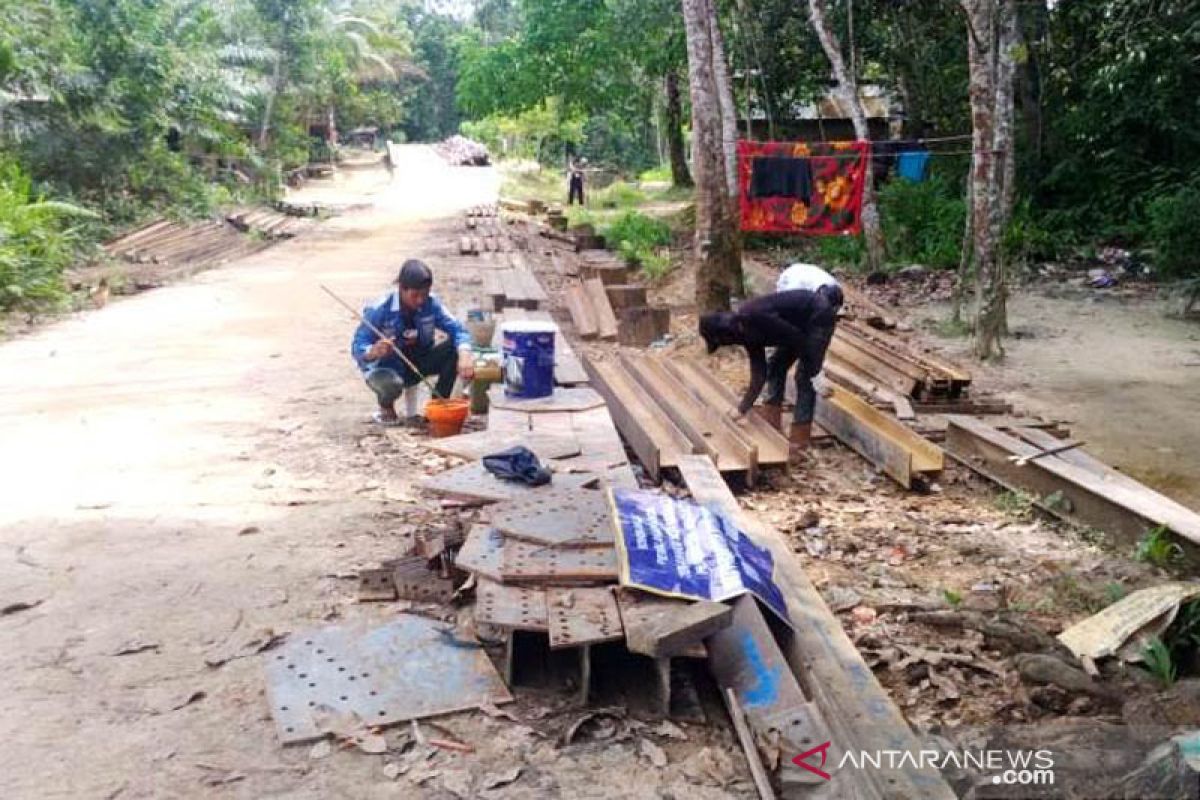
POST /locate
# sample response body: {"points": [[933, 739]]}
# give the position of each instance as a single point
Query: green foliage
{"points": [[618, 195], [640, 240], [541, 132], [952, 598], [38, 239], [1157, 548], [844, 251], [659, 174], [1015, 503], [923, 222], [1175, 233], [1159, 661]]}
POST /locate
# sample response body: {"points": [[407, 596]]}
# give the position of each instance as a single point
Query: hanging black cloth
{"points": [[780, 176]]}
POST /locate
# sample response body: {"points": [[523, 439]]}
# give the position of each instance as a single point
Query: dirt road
{"points": [[184, 473]]}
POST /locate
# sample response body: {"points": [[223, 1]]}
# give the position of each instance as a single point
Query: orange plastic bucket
{"points": [[446, 417]]}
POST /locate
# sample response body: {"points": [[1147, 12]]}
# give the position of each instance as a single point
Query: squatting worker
{"points": [[799, 324], [409, 317]]}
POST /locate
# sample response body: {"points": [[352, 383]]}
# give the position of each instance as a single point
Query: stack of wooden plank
{"points": [[190, 245], [544, 558], [590, 309], [485, 233], [605, 304], [667, 408], [878, 364], [514, 286]]}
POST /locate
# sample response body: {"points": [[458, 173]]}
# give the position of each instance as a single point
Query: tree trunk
{"points": [[981, 30], [964, 259], [723, 82], [674, 133], [269, 106], [1003, 142], [718, 271], [848, 89]]}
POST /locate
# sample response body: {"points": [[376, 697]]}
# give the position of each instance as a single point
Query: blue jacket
{"points": [[387, 315]]}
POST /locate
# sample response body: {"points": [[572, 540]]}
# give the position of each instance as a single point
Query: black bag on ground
{"points": [[517, 464]]}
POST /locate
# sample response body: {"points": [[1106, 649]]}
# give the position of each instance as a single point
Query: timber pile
{"points": [[882, 366], [605, 304], [484, 232], [188, 247], [670, 408], [463, 152]]}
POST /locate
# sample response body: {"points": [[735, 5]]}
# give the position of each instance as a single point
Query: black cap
{"points": [[415, 274], [717, 329]]}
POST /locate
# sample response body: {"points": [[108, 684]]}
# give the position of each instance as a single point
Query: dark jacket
{"points": [[801, 320]]}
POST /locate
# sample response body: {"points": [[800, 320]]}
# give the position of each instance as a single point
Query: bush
{"points": [[923, 222], [618, 195], [37, 241], [638, 238], [1174, 232]]}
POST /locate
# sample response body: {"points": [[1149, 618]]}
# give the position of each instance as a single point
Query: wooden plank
{"points": [[606, 320], [473, 446], [667, 401], [529, 563], [643, 325], [474, 482], [663, 627], [626, 295], [895, 357], [582, 616], [1111, 503], [717, 419], [880, 371], [858, 712], [651, 434], [580, 308], [773, 447], [518, 607], [931, 362], [575, 398], [895, 449], [481, 552]]}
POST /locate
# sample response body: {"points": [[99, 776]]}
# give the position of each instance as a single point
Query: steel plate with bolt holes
{"points": [[482, 552], [407, 669], [475, 482], [522, 561], [582, 616], [511, 606], [561, 519]]}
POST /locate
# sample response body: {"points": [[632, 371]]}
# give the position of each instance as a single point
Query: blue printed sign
{"points": [[683, 549]]}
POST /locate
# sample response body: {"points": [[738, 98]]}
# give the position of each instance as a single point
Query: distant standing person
{"points": [[575, 180]]}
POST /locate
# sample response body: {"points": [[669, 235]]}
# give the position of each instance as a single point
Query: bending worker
{"points": [[799, 324], [409, 316]]}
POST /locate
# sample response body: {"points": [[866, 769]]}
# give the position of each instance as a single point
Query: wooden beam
{"points": [[656, 440], [858, 712], [663, 627], [681, 410], [883, 373], [883, 441], [772, 445], [580, 308], [1071, 485], [606, 320]]}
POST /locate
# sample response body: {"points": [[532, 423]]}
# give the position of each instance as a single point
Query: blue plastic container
{"points": [[528, 359]]}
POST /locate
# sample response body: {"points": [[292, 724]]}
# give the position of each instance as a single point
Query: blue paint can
{"points": [[528, 358]]}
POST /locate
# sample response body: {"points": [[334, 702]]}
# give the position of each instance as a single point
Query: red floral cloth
{"points": [[835, 206]]}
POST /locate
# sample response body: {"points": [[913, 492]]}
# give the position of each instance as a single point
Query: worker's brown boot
{"points": [[798, 438], [771, 413]]}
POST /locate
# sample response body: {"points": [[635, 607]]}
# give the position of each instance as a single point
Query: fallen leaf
{"points": [[493, 780], [134, 647], [249, 530], [864, 615], [14, 608], [194, 697], [393, 770], [321, 749], [653, 752], [490, 708]]}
